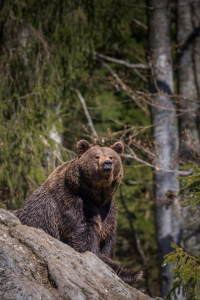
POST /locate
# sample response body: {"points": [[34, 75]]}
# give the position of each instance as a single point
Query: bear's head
{"points": [[100, 166]]}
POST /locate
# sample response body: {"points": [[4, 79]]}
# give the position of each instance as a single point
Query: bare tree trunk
{"points": [[197, 52], [187, 79], [166, 186], [188, 23]]}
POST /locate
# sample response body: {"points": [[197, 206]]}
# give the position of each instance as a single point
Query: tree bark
{"points": [[197, 52], [188, 29], [165, 135], [187, 79]]}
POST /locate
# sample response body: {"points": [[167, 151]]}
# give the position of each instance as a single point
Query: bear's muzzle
{"points": [[107, 164]]}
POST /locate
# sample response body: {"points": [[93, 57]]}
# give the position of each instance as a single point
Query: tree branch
{"points": [[90, 123], [134, 156], [126, 89], [140, 24], [121, 62], [140, 75]]}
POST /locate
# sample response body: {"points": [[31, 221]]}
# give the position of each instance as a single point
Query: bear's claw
{"points": [[137, 275], [129, 277]]}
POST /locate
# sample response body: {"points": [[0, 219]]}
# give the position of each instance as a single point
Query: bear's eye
{"points": [[111, 157], [97, 156]]}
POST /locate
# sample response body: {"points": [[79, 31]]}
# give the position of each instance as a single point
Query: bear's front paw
{"points": [[129, 277], [136, 276]]}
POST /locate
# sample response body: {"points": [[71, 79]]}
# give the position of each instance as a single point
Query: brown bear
{"points": [[76, 204]]}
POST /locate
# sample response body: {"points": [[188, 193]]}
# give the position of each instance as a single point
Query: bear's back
{"points": [[40, 210]]}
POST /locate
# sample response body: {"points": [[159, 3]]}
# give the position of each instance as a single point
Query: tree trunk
{"points": [[197, 52], [165, 135], [188, 23], [187, 79]]}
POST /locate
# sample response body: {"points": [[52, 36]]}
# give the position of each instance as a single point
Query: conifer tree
{"points": [[186, 271]]}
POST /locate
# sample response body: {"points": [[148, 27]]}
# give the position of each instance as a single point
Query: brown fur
{"points": [[76, 204]]}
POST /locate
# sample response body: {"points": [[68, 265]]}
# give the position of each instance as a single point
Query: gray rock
{"points": [[34, 266]]}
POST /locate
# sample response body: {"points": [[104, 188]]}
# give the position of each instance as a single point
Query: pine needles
{"points": [[191, 184], [186, 273], [186, 278]]}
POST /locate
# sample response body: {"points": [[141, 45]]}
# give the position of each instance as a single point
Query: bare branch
{"points": [[40, 37], [145, 98], [140, 75], [140, 24], [58, 157], [126, 89], [143, 128], [87, 114], [121, 62], [133, 156]]}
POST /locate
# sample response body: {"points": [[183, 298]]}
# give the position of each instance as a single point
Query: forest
{"points": [[107, 71]]}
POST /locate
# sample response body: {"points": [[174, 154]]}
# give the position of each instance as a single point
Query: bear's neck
{"points": [[99, 194]]}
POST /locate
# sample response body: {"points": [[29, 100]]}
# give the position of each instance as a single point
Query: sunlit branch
{"points": [[134, 156], [90, 123], [121, 62], [155, 167]]}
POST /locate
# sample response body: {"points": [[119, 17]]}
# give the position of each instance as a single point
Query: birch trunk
{"points": [[165, 135], [188, 23]]}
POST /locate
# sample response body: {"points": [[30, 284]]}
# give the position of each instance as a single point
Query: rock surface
{"points": [[34, 266]]}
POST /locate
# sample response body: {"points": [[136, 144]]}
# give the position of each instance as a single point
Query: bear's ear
{"points": [[82, 146], [118, 147]]}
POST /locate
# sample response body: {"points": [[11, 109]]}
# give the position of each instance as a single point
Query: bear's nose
{"points": [[107, 164]]}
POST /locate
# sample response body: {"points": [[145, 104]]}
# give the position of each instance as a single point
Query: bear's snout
{"points": [[107, 164]]}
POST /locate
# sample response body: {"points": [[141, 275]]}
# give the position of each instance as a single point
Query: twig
{"points": [[58, 157], [87, 113], [136, 242], [155, 167], [143, 128], [140, 24], [126, 88], [40, 38], [163, 107], [140, 75], [120, 61]]}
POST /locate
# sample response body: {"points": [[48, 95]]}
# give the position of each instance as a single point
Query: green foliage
{"points": [[43, 55], [186, 274], [191, 184], [25, 145]]}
